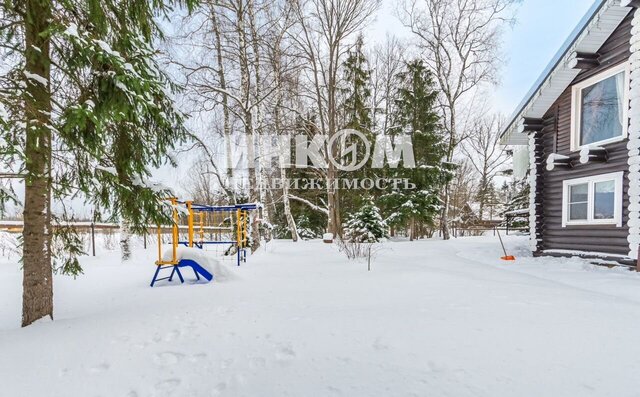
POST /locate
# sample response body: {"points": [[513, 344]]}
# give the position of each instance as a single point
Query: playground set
{"points": [[206, 225]]}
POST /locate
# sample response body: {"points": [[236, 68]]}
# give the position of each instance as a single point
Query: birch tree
{"points": [[284, 67]]}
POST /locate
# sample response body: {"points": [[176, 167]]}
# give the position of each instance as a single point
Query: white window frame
{"points": [[576, 105], [617, 177]]}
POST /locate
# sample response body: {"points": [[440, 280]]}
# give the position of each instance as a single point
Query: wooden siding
{"points": [[556, 138]]}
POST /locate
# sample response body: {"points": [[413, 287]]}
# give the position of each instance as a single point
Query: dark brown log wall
{"points": [[556, 138]]}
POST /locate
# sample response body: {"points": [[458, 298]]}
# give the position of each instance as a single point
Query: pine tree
{"points": [[416, 117], [86, 111], [365, 225]]}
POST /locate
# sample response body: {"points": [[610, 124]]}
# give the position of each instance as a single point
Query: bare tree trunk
{"points": [[444, 222], [245, 82], [225, 101], [412, 229], [334, 223], [262, 169], [291, 223], [37, 284]]}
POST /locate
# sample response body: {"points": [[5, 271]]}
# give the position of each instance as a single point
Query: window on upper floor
{"points": [[592, 200], [600, 105]]}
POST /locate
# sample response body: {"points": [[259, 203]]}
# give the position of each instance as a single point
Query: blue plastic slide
{"points": [[197, 269]]}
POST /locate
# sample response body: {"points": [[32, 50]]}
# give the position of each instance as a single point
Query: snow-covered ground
{"points": [[432, 318]]}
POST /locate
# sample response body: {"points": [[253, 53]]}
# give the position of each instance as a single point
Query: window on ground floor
{"points": [[592, 200]]}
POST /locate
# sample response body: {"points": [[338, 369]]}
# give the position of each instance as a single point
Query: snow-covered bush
{"points": [[362, 230], [281, 231], [366, 225], [306, 231]]}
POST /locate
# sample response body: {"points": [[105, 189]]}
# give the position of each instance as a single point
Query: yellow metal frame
{"points": [[190, 223], [201, 226], [242, 223], [174, 236]]}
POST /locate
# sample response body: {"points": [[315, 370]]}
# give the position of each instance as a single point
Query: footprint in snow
{"points": [[223, 311], [64, 372], [172, 335], [285, 354], [219, 388], [167, 358], [224, 364], [379, 345], [100, 368], [257, 362], [168, 385], [121, 338], [197, 357]]}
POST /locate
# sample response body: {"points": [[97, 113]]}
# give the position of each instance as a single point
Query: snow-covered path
{"points": [[431, 318]]}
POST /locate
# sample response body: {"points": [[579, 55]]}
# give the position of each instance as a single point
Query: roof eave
{"points": [[591, 33]]}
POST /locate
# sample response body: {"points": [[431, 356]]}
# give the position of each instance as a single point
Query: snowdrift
{"points": [[221, 272]]}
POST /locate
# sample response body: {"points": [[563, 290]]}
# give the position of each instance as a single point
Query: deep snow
{"points": [[432, 318]]}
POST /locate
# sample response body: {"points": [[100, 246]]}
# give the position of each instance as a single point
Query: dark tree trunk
{"points": [[37, 284]]}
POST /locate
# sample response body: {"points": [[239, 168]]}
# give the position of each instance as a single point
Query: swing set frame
{"points": [[236, 212]]}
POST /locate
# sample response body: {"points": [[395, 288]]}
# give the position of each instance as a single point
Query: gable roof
{"points": [[594, 29]]}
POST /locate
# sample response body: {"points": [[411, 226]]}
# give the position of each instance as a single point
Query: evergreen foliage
{"points": [[365, 225], [85, 113], [111, 116], [416, 117], [519, 201], [306, 230], [357, 90]]}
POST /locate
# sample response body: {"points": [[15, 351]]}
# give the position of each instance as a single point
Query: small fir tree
{"points": [[306, 231], [366, 225]]}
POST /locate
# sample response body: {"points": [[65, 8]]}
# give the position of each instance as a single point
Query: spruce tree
{"points": [[357, 90], [416, 117], [365, 225], [356, 110], [85, 111]]}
